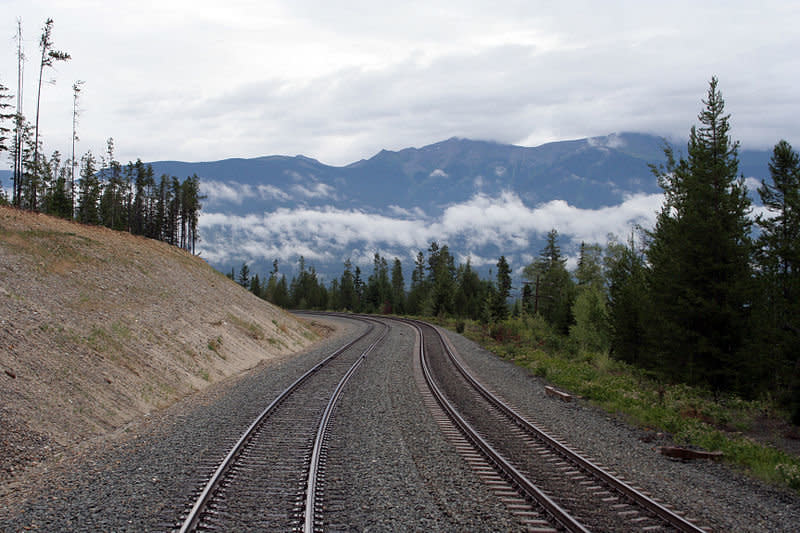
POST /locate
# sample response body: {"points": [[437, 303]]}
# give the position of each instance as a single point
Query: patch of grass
{"points": [[215, 344], [276, 342], [251, 329], [693, 416]]}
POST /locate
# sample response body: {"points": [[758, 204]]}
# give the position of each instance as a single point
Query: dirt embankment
{"points": [[98, 328]]}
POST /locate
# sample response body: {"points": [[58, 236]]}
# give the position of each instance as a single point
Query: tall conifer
{"points": [[699, 256]]}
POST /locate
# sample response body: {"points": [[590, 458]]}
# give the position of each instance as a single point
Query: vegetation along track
{"points": [[269, 478], [569, 490]]}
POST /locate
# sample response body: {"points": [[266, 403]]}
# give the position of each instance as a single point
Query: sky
{"points": [[338, 81], [200, 80]]}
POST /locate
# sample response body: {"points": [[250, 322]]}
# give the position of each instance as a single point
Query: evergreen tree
{"points": [[348, 299], [334, 296], [49, 57], [272, 283], [76, 89], [89, 191], [500, 302], [441, 279], [628, 311], [358, 290], [398, 287], [5, 115], [779, 274], [470, 292], [255, 286], [552, 284], [57, 199], [699, 256], [243, 278], [418, 295], [590, 266], [379, 288], [282, 293]]}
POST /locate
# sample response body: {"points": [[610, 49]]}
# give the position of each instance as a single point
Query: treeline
{"points": [[710, 296], [438, 288], [125, 198]]}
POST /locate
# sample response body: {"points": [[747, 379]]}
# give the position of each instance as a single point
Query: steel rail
{"points": [[193, 518], [528, 488], [313, 471], [643, 500]]}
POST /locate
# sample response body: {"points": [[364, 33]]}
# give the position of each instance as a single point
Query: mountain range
{"points": [[481, 198]]}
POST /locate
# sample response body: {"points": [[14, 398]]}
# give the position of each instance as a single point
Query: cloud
{"points": [[439, 173], [503, 224], [270, 192], [317, 190], [220, 192], [231, 192], [607, 141]]}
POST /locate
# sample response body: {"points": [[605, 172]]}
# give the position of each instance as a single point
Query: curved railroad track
{"points": [[564, 491], [269, 479]]}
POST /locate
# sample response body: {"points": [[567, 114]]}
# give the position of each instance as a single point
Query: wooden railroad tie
{"points": [[686, 453], [552, 391]]}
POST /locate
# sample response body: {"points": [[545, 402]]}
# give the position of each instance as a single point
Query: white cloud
{"points": [[317, 190], [439, 173], [217, 192], [235, 193], [503, 223], [407, 213], [270, 192]]}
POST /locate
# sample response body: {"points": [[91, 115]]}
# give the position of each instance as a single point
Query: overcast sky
{"points": [[201, 80]]}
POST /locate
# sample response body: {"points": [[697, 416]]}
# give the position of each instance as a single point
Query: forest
{"points": [[709, 297], [105, 192]]}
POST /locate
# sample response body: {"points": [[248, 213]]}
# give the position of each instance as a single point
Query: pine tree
{"points": [[500, 302], [779, 274], [243, 278], [379, 288], [441, 279], [589, 309], [470, 293], [5, 115], [349, 299], [552, 284], [418, 295], [49, 57], [398, 287], [89, 191], [699, 256], [628, 311]]}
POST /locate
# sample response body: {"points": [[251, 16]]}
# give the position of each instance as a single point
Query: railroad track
{"points": [[547, 485], [269, 480]]}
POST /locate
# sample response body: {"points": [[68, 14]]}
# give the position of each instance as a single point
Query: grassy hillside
{"points": [[98, 328]]}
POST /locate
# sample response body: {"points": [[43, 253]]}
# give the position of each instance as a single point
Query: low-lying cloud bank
{"points": [[481, 228]]}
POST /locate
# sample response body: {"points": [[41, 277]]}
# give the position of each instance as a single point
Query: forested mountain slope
{"points": [[100, 327]]}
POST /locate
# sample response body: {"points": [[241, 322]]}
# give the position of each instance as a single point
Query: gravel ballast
{"points": [[401, 475]]}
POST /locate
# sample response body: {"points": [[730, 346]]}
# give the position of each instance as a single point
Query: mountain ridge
{"points": [[457, 191]]}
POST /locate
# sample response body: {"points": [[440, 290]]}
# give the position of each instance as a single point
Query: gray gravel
{"points": [[389, 468], [713, 494], [143, 479]]}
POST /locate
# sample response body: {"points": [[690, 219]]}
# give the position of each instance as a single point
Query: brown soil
{"points": [[98, 328]]}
